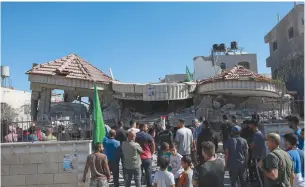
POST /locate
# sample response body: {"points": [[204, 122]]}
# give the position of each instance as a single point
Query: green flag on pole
{"points": [[99, 131], [188, 75]]}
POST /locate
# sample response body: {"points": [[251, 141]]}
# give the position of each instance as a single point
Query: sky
{"points": [[140, 42]]}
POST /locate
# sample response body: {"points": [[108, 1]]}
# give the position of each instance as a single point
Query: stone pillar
{"points": [[44, 102], [34, 104]]}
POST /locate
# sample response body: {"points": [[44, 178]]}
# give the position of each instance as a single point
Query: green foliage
{"points": [[8, 113], [291, 66]]}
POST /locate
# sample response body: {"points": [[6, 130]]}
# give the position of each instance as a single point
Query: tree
{"points": [[291, 67], [8, 113]]}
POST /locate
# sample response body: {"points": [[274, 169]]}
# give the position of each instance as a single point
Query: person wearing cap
{"points": [[258, 147], [277, 166], [293, 123], [236, 157]]}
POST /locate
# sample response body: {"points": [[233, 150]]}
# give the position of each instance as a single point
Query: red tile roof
{"points": [[71, 66], [236, 73]]}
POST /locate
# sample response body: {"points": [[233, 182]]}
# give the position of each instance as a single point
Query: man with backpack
{"points": [[277, 166]]}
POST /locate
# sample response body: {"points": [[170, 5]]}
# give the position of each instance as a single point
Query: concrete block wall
{"points": [[40, 164]]}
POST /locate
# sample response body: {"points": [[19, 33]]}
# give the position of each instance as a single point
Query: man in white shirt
{"points": [[133, 125], [184, 139]]}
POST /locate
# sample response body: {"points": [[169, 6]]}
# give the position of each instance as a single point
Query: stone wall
{"points": [[40, 164]]}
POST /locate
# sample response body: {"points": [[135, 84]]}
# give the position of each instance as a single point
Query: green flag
{"points": [[188, 75], [99, 131]]}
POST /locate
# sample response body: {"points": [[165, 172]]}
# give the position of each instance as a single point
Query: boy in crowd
{"points": [[185, 179], [175, 162], [163, 178]]}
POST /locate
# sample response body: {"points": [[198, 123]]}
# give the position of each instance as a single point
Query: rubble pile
{"points": [[130, 114]]}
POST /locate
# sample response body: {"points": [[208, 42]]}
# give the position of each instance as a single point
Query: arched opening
{"points": [[245, 64]]}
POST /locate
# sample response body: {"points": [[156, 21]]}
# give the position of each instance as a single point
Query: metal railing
{"points": [[50, 128]]}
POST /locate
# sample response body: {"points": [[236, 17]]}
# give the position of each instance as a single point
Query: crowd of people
{"points": [[186, 155], [34, 133]]}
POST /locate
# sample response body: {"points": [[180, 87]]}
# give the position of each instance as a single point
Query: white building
{"points": [[203, 66], [19, 100]]}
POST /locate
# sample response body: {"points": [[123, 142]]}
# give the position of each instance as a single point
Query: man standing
{"points": [[98, 164], [112, 150], [121, 136], [293, 123], [226, 128], [207, 134], [132, 160], [277, 165], [291, 145], [184, 139], [211, 173], [247, 134], [258, 147], [236, 157], [197, 131], [133, 126], [147, 144]]}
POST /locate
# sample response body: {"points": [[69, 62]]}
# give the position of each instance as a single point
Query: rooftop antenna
{"points": [[278, 18], [111, 74]]}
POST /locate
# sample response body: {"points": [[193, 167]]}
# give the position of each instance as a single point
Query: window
{"points": [[274, 45], [244, 64], [290, 32]]}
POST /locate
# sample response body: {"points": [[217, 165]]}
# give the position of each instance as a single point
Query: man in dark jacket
{"points": [[206, 134]]}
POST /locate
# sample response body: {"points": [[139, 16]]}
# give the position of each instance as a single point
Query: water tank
{"points": [[222, 47], [234, 45], [215, 47], [5, 71]]}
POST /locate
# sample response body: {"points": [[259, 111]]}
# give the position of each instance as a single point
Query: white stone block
{"points": [[26, 169], [5, 170], [63, 178], [48, 168], [13, 180], [39, 179], [7, 159]]}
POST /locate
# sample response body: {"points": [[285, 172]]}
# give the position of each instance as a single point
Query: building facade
{"points": [[19, 100], [286, 40], [203, 65]]}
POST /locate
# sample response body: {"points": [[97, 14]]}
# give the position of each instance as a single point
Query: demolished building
{"points": [[235, 91]]}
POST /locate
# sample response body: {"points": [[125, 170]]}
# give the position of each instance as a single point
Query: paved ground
{"points": [[227, 180]]}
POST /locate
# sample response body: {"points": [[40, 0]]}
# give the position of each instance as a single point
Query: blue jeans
{"points": [[129, 173], [147, 166]]}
